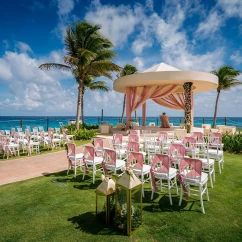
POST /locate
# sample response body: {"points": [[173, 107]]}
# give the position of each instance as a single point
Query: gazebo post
{"points": [[188, 105], [144, 114], [128, 106]]}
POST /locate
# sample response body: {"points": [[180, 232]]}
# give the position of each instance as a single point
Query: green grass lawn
{"points": [[40, 210]]}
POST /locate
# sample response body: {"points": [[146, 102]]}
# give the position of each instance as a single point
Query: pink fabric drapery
{"points": [[174, 101], [139, 95]]}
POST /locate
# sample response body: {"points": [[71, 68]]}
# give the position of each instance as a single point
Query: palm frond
{"points": [[48, 66]]}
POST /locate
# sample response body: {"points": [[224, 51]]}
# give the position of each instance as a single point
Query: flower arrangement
{"points": [[129, 171]]}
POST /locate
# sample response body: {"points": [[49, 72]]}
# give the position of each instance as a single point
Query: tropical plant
{"points": [[88, 54], [84, 134], [233, 142], [226, 79], [127, 70]]}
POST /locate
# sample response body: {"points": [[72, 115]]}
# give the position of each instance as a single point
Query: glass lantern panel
{"points": [[121, 209], [136, 208]]}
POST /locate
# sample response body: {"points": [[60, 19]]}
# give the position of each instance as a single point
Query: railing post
{"points": [[21, 123], [203, 121], [156, 121], [47, 123], [225, 121]]}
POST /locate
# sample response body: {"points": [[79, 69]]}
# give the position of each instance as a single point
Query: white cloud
{"points": [[139, 63], [236, 57], [149, 5], [232, 8], [110, 101], [117, 22], [211, 25], [138, 45], [5, 72], [31, 89], [65, 8], [23, 47]]}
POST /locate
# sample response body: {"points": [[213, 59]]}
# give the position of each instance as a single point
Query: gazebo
{"points": [[165, 85]]}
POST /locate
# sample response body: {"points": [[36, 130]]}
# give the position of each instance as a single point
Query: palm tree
{"points": [[127, 70], [88, 54], [226, 79], [89, 83]]}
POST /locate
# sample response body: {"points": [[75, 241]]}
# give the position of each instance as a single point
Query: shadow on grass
{"points": [[89, 223], [163, 204], [85, 183]]}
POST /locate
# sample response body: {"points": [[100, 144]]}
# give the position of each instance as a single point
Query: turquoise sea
{"points": [[7, 122]]}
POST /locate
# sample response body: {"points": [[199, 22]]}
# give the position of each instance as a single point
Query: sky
{"points": [[197, 35]]}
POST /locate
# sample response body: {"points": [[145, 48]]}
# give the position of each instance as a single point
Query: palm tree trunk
{"points": [[122, 118], [78, 110], [82, 105], [216, 108]]}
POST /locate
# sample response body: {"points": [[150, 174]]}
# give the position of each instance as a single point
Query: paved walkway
{"points": [[35, 166]]}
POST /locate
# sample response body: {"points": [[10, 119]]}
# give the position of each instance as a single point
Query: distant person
{"points": [[164, 121]]}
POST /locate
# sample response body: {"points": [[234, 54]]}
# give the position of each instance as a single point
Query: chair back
{"points": [[161, 163], [118, 138], [12, 131], [215, 138], [198, 136], [89, 152], [177, 151], [109, 157], [57, 130], [71, 149], [16, 138], [189, 142], [1, 132], [136, 160], [133, 138], [133, 147], [42, 135], [134, 132], [98, 143], [191, 168], [162, 136]]}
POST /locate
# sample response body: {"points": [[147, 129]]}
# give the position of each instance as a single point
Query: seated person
{"points": [[164, 121]]}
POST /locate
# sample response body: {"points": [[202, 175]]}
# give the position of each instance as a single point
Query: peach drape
{"points": [[137, 96], [174, 101]]}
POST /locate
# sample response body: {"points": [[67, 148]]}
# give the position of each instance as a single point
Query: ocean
{"points": [[7, 122]]}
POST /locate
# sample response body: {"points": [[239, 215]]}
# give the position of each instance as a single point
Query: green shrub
{"points": [[72, 127], [84, 134], [233, 143]]}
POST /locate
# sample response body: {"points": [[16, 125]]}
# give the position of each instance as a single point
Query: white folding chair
{"points": [[161, 170], [190, 177], [73, 158]]}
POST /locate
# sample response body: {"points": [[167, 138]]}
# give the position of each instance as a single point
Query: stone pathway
{"points": [[35, 166]]}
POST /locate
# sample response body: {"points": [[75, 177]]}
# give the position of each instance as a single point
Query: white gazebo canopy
{"points": [[165, 85], [163, 74]]}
